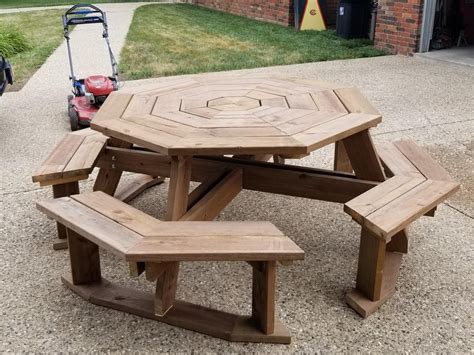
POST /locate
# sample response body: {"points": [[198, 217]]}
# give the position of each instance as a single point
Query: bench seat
{"points": [[95, 219], [392, 205], [417, 184], [73, 158], [406, 158], [136, 236]]}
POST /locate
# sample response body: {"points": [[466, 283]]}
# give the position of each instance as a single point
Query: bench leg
{"points": [[341, 159], [377, 274], [263, 295], [84, 258], [63, 190]]}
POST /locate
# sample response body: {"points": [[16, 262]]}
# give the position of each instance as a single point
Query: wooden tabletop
{"points": [[234, 115]]}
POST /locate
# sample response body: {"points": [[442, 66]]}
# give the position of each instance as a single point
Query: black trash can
{"points": [[353, 18]]}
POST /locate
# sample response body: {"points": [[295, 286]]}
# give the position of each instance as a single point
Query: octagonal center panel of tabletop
{"points": [[232, 116], [234, 103]]}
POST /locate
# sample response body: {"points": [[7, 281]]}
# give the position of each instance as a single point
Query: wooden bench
{"points": [[73, 159], [96, 220], [417, 184]]}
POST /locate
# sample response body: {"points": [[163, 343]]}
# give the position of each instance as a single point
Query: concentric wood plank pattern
{"points": [[234, 115]]}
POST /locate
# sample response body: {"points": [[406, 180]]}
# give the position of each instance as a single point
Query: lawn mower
{"points": [[89, 93]]}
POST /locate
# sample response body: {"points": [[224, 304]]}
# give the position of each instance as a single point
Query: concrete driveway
{"points": [[431, 102]]}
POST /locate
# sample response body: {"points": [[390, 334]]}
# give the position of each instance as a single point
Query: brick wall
{"points": [[276, 11], [398, 25]]}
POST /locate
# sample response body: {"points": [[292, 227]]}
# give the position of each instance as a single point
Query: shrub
{"points": [[12, 41]]}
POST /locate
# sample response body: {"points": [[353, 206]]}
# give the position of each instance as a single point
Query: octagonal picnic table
{"points": [[221, 132]]}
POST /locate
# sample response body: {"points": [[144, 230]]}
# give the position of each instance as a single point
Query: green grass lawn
{"points": [[182, 39], [5, 4], [43, 31]]}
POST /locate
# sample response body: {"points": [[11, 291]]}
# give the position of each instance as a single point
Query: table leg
{"points": [[341, 159], [379, 261], [108, 179], [180, 177]]}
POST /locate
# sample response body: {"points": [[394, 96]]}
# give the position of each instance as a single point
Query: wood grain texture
{"points": [[205, 247], [108, 178], [211, 204], [371, 265], [72, 159], [260, 116], [63, 190], [90, 224], [422, 160], [84, 258], [258, 176], [363, 156], [263, 296], [185, 315], [126, 192], [180, 177]]}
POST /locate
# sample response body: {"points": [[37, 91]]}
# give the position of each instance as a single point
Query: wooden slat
{"points": [[169, 128], [395, 216], [354, 101], [302, 101], [120, 212], [92, 225], [396, 162], [422, 160], [215, 248], [328, 101], [186, 315], [233, 145], [209, 207], [380, 196], [53, 166], [113, 107], [139, 104], [215, 229], [63, 180], [309, 121], [136, 134], [86, 156], [336, 130], [258, 176], [127, 191]]}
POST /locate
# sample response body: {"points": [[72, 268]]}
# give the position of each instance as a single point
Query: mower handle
{"points": [[83, 9], [95, 9]]}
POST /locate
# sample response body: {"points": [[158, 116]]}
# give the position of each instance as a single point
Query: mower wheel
{"points": [[73, 118], [69, 98]]}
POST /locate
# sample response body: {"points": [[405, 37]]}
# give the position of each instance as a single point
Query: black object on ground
{"points": [[353, 18]]}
